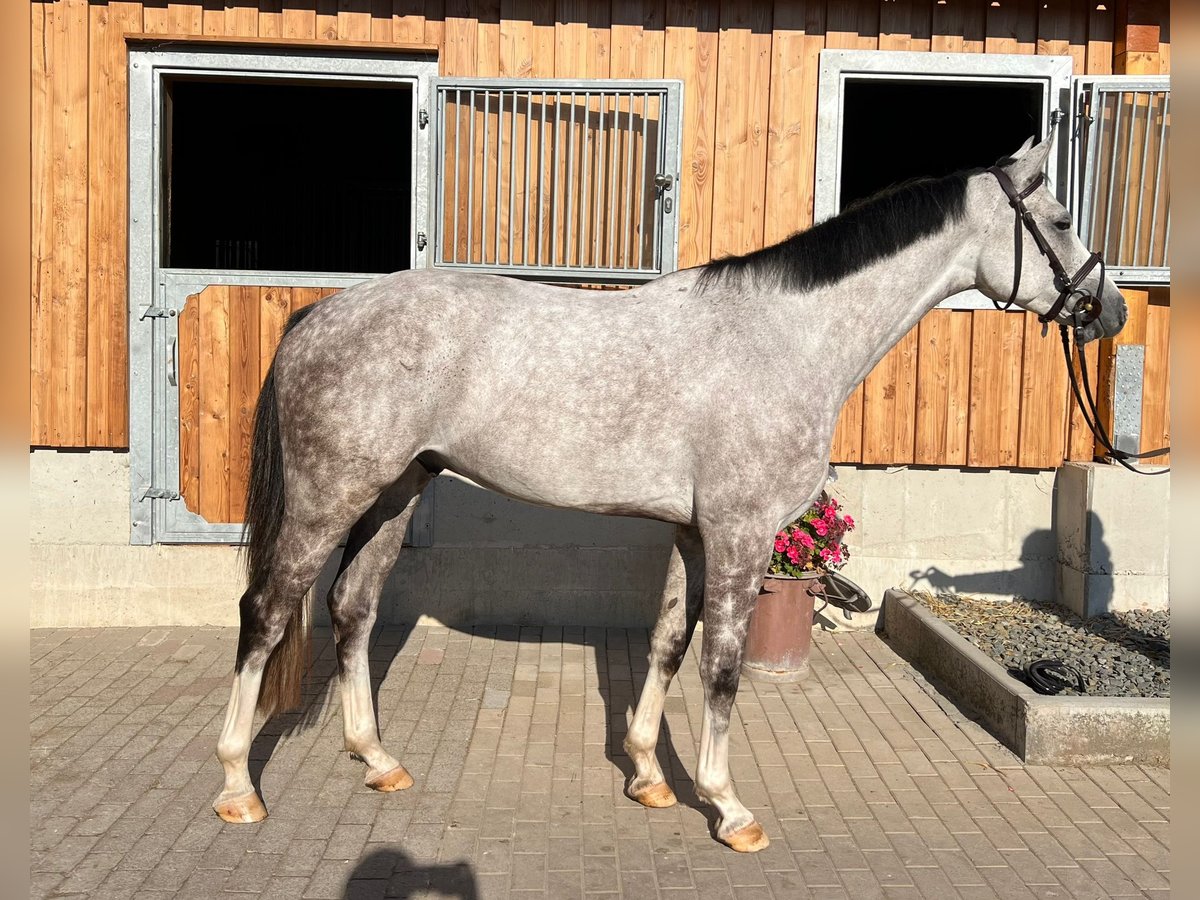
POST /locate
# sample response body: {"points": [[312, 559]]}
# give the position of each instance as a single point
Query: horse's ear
{"points": [[1028, 163]]}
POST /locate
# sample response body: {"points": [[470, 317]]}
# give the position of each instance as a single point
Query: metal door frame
{"points": [[1084, 157], [157, 293], [837, 66]]}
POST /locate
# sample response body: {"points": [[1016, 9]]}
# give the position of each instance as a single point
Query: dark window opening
{"points": [[287, 177], [896, 130]]}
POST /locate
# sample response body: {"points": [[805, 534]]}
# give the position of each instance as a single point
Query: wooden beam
{"points": [[271, 41], [1136, 44]]}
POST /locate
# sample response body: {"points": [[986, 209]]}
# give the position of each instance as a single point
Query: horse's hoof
{"points": [[747, 839], [656, 796], [396, 779], [241, 810]]}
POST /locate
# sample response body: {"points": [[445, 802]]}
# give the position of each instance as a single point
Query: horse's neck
{"points": [[860, 318]]}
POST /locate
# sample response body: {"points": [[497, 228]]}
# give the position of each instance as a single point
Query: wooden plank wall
{"points": [[964, 388]]}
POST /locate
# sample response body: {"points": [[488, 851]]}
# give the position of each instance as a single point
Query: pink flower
{"points": [[781, 544], [826, 554], [793, 554], [832, 503], [849, 522], [820, 527], [805, 539], [830, 513]]}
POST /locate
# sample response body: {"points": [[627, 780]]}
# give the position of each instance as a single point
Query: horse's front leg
{"points": [[682, 599], [371, 550], [735, 562]]}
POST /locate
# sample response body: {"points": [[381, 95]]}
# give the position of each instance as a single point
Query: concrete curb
{"points": [[1041, 730]]}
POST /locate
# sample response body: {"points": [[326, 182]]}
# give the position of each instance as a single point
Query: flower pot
{"points": [[780, 635]]}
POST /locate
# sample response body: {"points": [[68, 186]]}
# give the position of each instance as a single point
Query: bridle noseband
{"points": [[1087, 307]]}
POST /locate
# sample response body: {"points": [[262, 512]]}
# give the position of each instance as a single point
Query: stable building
{"points": [[200, 172]]}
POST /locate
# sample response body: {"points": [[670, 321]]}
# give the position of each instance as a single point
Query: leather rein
{"points": [[1085, 310]]}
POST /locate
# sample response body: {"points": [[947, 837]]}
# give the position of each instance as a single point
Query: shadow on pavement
{"points": [[393, 873]]}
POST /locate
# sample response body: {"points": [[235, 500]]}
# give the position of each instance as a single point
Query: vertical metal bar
{"points": [[626, 244], [541, 178], [568, 231], [660, 199], [483, 161], [471, 183], [512, 171], [457, 129], [1158, 173], [1137, 232], [614, 201], [1092, 172], [553, 183], [596, 186], [1112, 178], [528, 145], [439, 215], [584, 174], [499, 163], [640, 232], [1128, 175]]}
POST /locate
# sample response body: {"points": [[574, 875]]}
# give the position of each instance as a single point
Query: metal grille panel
{"points": [[1123, 193], [558, 180]]}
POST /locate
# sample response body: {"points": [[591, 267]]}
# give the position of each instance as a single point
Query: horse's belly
{"points": [[646, 493]]}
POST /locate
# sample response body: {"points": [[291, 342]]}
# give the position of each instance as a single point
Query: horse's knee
{"points": [[721, 680]]}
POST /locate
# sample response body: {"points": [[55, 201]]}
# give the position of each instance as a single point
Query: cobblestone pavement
{"points": [[868, 784]]}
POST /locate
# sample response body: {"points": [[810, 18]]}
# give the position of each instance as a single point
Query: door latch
{"points": [[422, 240], [160, 494], [422, 118]]}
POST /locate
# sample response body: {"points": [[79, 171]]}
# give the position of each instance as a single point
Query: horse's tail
{"points": [[283, 676]]}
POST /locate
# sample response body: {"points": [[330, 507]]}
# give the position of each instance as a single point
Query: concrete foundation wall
{"points": [[988, 533], [495, 560]]}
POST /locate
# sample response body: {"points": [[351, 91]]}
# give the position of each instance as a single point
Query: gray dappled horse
{"points": [[706, 398]]}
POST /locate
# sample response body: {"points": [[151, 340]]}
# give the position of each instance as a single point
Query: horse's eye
{"points": [[1063, 224]]}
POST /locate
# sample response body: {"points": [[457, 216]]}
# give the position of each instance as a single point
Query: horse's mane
{"points": [[866, 231]]}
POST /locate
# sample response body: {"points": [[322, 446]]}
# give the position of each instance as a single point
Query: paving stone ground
{"points": [[868, 783]]}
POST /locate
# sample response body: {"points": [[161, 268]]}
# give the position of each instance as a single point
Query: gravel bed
{"points": [[1118, 654]]}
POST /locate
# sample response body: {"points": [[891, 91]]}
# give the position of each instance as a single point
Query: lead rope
{"points": [[1093, 420]]}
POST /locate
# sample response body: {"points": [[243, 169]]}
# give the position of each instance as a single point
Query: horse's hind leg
{"points": [[266, 616], [668, 644], [371, 550]]}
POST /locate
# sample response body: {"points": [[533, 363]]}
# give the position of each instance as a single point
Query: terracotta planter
{"points": [[780, 635]]}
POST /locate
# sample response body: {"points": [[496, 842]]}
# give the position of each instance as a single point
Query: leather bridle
{"points": [[1085, 310], [1087, 307]]}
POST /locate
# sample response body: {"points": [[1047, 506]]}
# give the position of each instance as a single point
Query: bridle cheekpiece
{"points": [[1087, 307]]}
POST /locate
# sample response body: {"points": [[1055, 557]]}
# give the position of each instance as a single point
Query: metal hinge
{"points": [[422, 118], [1056, 116], [160, 494], [158, 312], [422, 240]]}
